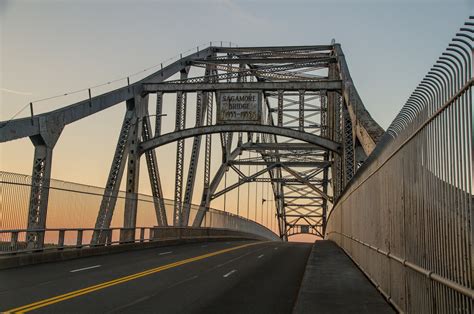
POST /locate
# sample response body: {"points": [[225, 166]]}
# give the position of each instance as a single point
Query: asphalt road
{"points": [[217, 277]]}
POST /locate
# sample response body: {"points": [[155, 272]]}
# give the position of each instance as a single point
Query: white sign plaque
{"points": [[239, 107]]}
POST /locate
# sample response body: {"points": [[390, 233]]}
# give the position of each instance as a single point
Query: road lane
{"points": [[193, 287], [19, 286]]}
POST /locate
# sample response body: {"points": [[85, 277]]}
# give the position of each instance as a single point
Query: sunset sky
{"points": [[52, 47]]}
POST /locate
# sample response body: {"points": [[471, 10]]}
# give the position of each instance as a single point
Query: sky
{"points": [[52, 47]]}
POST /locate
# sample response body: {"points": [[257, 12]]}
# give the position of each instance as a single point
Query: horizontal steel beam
{"points": [[287, 181], [283, 146], [313, 164], [271, 48], [296, 215], [334, 85], [272, 60], [267, 129]]}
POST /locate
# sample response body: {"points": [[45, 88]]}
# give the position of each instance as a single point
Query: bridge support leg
{"points": [[206, 194], [109, 199], [50, 130], [180, 124], [334, 131], [133, 167], [201, 106], [325, 133]]}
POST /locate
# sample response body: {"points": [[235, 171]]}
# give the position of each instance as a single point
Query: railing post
{"points": [[108, 237], [79, 238], [127, 235], [142, 234], [14, 241], [61, 238]]}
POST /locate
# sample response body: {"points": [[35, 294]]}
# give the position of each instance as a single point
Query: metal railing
{"points": [[406, 216], [73, 208], [78, 238]]}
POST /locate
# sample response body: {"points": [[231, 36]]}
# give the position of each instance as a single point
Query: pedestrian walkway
{"points": [[332, 283]]}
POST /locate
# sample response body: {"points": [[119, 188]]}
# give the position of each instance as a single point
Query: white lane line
{"points": [[229, 273], [276, 248], [205, 245], [164, 253], [261, 255], [85, 268]]}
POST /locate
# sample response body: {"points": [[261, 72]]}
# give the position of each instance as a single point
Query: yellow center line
{"points": [[76, 293]]}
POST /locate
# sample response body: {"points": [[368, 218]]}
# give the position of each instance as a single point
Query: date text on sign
{"points": [[239, 107]]}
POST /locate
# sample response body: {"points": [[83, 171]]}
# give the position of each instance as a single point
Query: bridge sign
{"points": [[304, 229], [239, 107]]}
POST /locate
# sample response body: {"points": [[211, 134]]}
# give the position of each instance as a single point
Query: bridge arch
{"points": [[212, 129]]}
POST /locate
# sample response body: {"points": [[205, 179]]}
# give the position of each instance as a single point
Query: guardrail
{"points": [[406, 216], [76, 238], [73, 208]]}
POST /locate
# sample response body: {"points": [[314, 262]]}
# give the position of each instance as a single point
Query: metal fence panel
{"points": [[406, 217]]}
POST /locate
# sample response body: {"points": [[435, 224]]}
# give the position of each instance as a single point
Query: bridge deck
{"points": [[215, 277], [333, 284]]}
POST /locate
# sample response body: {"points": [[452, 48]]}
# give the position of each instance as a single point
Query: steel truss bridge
{"points": [[399, 202]]}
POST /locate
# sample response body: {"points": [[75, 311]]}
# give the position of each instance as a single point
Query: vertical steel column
{"points": [[179, 125], [201, 106], [324, 114], [40, 180], [331, 103], [207, 160], [39, 195], [159, 113], [133, 167], [348, 145], [337, 159], [324, 133], [281, 206], [280, 108], [333, 130], [208, 150], [301, 111]]}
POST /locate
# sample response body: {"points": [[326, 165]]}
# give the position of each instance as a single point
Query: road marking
{"points": [[276, 248], [164, 253], [229, 273], [76, 293], [236, 258], [85, 268], [205, 245], [261, 255], [145, 298]]}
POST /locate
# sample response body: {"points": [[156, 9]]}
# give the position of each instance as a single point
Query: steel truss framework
{"points": [[314, 124]]}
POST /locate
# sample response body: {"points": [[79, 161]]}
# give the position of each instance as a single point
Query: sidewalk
{"points": [[332, 283]]}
